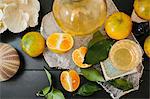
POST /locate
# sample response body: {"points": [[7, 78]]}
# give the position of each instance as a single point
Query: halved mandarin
{"points": [[78, 57], [59, 42], [70, 80]]}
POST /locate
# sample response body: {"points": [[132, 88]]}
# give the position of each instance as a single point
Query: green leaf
{"points": [[55, 94], [92, 75], [49, 92], [98, 52], [43, 92], [122, 84], [96, 38], [88, 89], [49, 77]]}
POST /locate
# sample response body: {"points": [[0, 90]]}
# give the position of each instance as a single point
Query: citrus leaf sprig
{"points": [[50, 92], [91, 87], [43, 92]]}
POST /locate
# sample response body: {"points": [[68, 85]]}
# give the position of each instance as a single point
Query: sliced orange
{"points": [[60, 42], [70, 80], [78, 57]]}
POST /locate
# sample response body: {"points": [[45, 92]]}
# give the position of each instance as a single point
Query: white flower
{"points": [[20, 14], [3, 26]]}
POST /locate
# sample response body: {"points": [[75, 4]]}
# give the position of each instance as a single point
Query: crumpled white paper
{"points": [[61, 61], [64, 61]]}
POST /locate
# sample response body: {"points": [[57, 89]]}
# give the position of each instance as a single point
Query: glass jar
{"points": [[79, 17]]}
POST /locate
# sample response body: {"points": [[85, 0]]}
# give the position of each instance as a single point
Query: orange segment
{"points": [[60, 42], [52, 40], [70, 80], [75, 79], [65, 81], [78, 57], [66, 42]]}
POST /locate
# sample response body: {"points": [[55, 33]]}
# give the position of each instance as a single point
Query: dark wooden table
{"points": [[31, 77]]}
